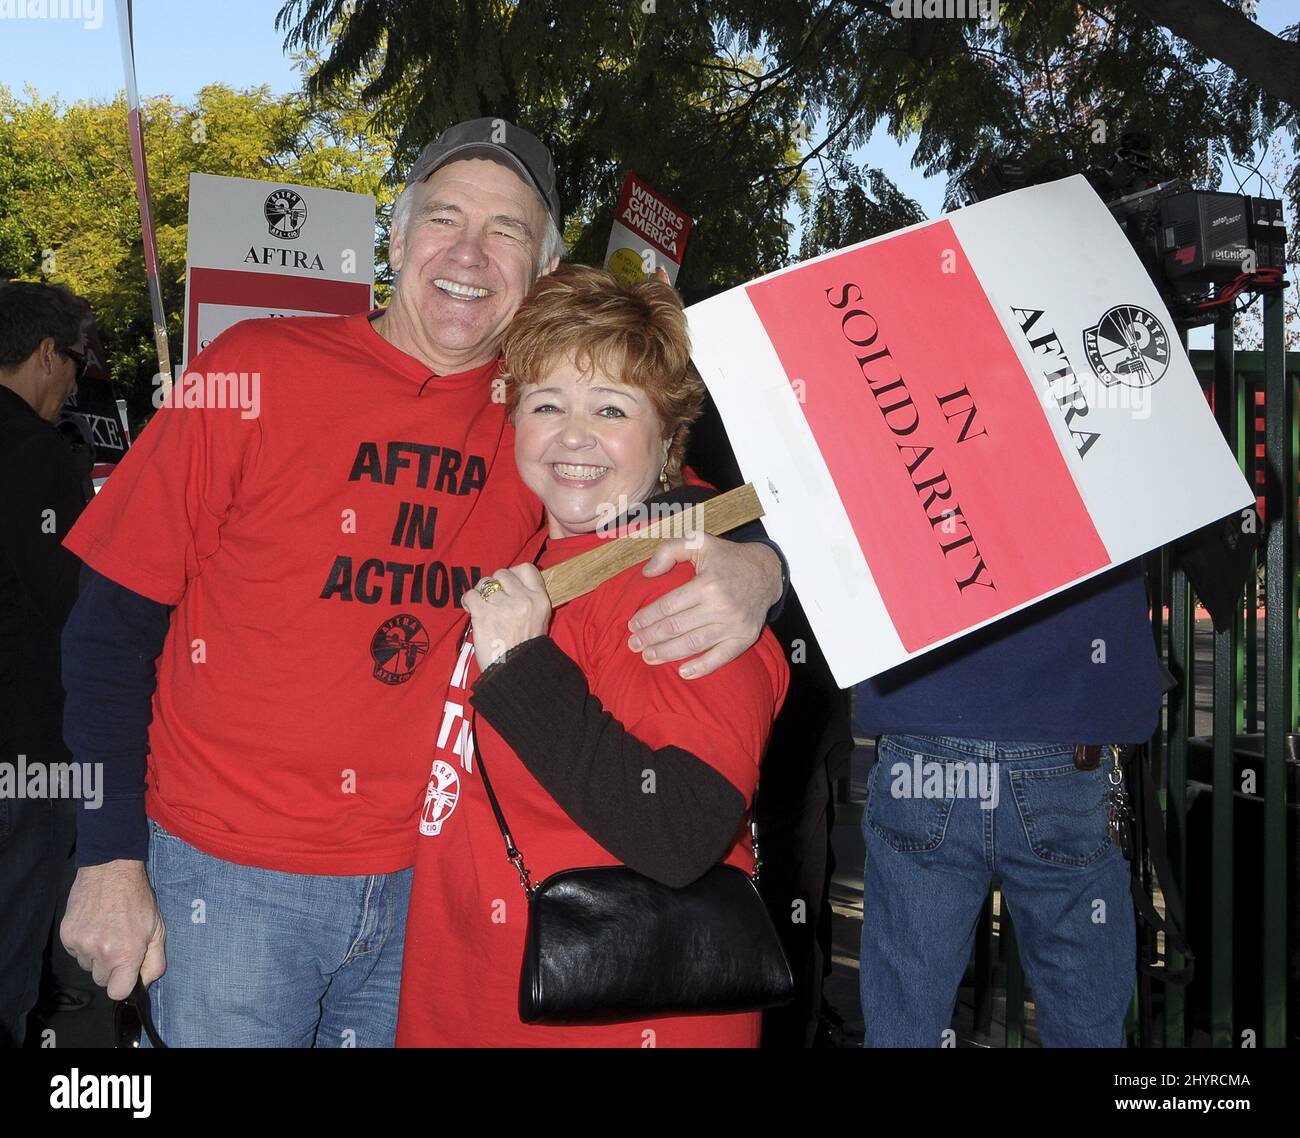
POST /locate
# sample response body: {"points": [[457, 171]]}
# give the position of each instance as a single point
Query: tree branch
{"points": [[1225, 34]]}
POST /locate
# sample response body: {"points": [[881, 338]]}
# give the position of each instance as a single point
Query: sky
{"points": [[180, 46]]}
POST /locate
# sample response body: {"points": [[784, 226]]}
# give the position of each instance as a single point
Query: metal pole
{"points": [[1182, 707], [1249, 412], [135, 135], [1226, 688], [1015, 980], [983, 986], [1280, 665]]}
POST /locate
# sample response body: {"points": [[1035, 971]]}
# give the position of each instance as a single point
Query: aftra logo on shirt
{"points": [[443, 791], [440, 798]]}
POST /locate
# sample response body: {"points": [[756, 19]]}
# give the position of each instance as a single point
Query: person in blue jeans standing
{"points": [[994, 764]]}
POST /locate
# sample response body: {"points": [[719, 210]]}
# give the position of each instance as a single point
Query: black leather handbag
{"points": [[606, 944]]}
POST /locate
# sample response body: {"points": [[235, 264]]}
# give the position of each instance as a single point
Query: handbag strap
{"points": [[515, 856]]}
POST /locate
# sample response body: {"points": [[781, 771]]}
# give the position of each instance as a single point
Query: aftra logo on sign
{"points": [[285, 213], [248, 254], [1128, 345]]}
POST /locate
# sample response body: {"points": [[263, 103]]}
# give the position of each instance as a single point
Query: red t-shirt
{"points": [[468, 914], [316, 553]]}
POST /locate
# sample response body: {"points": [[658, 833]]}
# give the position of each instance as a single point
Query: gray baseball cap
{"points": [[493, 138]]}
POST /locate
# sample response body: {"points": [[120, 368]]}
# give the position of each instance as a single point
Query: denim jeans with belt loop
{"points": [[947, 817]]}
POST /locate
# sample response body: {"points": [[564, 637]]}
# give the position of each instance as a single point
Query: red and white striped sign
{"points": [[260, 249], [954, 421]]}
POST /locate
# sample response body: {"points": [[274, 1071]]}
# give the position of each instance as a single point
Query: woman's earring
{"points": [[663, 478]]}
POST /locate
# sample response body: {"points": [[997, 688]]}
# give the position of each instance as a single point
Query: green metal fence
{"points": [[1226, 768], [1229, 794]]}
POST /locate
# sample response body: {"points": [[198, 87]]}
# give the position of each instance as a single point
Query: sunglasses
{"points": [[78, 359], [131, 1016]]}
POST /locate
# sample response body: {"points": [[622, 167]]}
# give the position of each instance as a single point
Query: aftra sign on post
{"points": [[261, 249], [951, 422]]}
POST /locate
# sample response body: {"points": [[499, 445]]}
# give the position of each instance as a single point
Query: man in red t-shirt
{"points": [[292, 561]]}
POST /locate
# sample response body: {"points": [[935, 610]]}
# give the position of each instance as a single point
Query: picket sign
{"points": [[259, 249], [949, 423], [648, 233]]}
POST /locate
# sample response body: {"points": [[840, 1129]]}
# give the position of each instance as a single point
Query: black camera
{"points": [[1202, 248]]}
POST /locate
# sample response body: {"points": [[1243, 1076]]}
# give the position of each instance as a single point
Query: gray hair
{"points": [[550, 248]]}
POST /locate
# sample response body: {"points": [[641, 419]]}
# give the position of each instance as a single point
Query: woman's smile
{"points": [[578, 476]]}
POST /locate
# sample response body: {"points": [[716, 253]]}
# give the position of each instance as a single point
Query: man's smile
{"points": [[461, 291]]}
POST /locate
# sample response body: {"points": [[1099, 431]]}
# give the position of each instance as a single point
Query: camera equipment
{"points": [[1202, 248]]}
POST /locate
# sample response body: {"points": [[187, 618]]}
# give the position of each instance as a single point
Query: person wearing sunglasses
{"points": [[42, 355]]}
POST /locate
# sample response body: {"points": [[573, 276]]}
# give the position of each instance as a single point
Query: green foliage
{"points": [[609, 87], [867, 205], [70, 208], [740, 109]]}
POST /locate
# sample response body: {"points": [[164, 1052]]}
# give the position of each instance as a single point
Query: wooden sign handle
{"points": [[583, 573]]}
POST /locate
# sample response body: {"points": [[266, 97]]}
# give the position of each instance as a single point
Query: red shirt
{"points": [[468, 914], [316, 553]]}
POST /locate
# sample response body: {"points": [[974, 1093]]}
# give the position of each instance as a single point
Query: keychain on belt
{"points": [[1118, 816]]}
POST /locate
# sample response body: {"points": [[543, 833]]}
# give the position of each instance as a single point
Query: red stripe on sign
{"points": [[270, 290], [936, 440]]}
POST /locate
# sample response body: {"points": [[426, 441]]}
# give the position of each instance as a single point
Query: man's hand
{"points": [[718, 614], [113, 927]]}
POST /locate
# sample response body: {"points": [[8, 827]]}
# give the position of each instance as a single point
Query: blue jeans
{"points": [[257, 958], [945, 818]]}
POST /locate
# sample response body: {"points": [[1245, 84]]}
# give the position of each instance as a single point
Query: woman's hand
{"points": [[516, 612]]}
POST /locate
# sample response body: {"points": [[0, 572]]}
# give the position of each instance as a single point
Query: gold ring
{"points": [[488, 586]]}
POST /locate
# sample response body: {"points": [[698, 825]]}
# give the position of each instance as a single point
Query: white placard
{"points": [[952, 422], [274, 247]]}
